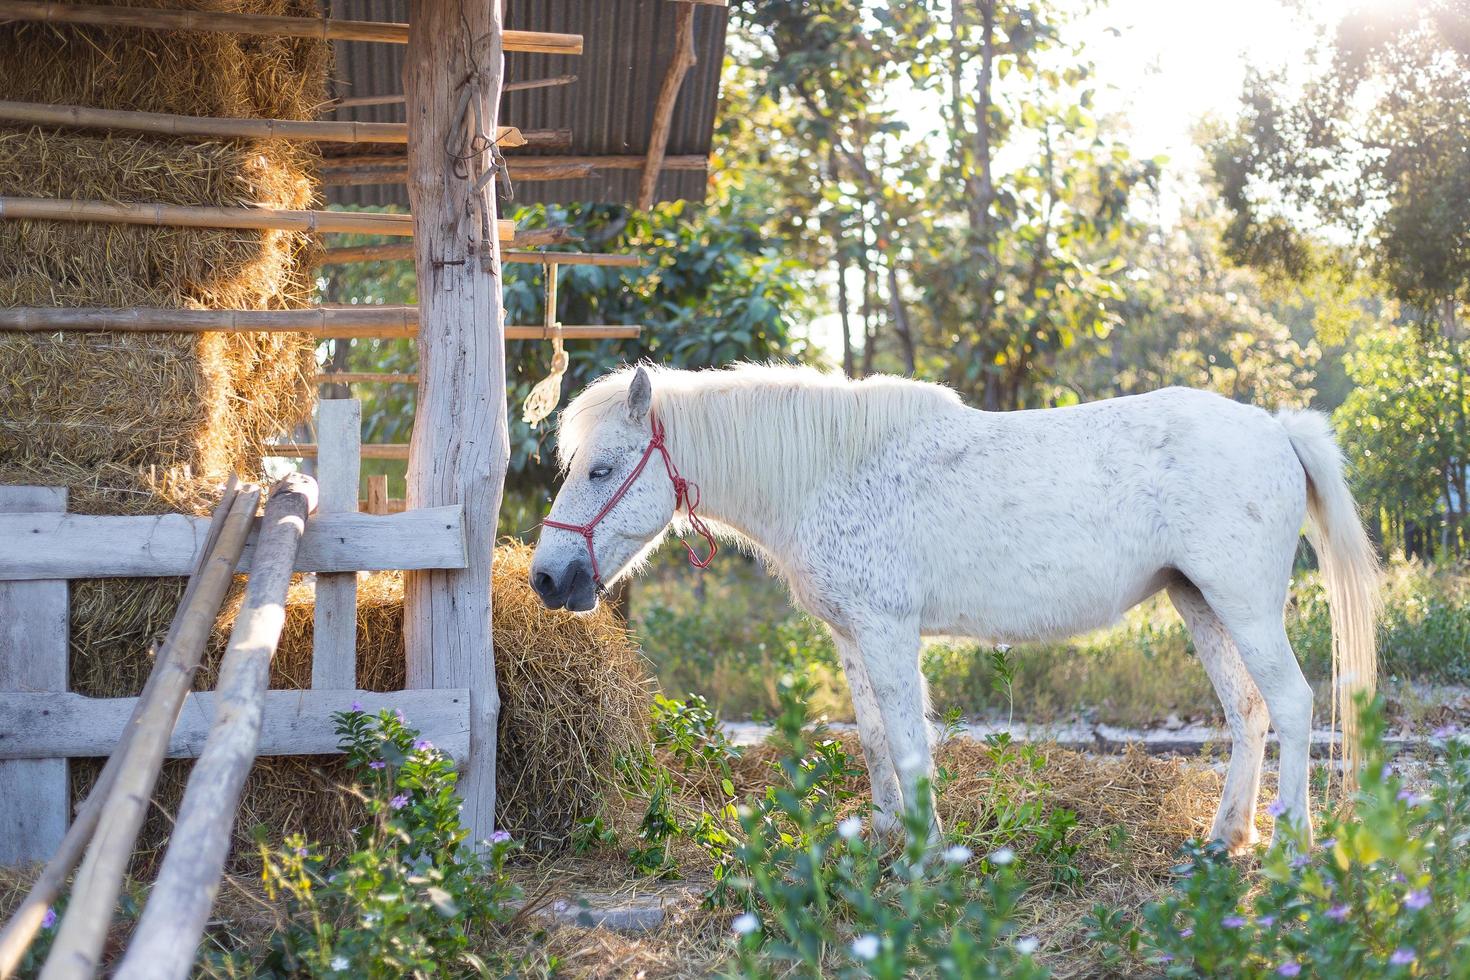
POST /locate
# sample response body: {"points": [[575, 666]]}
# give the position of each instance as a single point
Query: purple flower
{"points": [[499, 837], [1186, 932], [1232, 922], [1412, 798], [1277, 807], [1402, 956], [1387, 771], [49, 919], [423, 745], [399, 802], [1166, 957], [1328, 844], [377, 764], [301, 852], [1266, 920], [1338, 913], [399, 712], [1300, 861], [1446, 731], [1417, 900], [1290, 968], [357, 706]]}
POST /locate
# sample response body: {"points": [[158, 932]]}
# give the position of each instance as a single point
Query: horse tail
{"points": [[1350, 572]]}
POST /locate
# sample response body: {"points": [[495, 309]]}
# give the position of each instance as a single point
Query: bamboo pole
{"points": [[354, 101], [683, 59], [221, 22], [374, 175], [344, 222], [310, 450], [393, 253], [169, 124], [321, 321], [167, 937], [366, 377], [122, 799]]}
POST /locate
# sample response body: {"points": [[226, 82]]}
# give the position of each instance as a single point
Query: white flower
{"points": [[850, 828], [339, 963], [1002, 856], [369, 918], [1027, 945], [958, 854], [745, 924], [865, 947]]}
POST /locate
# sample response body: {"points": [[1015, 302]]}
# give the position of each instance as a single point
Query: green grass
{"points": [[731, 632]]}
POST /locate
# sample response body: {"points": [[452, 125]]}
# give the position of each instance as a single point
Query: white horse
{"points": [[893, 511]]}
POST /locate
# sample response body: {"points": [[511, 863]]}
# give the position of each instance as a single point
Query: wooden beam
{"points": [[375, 175], [382, 322], [311, 450], [222, 22], [354, 101], [168, 124], [683, 59], [35, 797], [59, 546], [64, 725], [178, 215], [166, 940], [461, 447], [338, 473], [394, 253]]}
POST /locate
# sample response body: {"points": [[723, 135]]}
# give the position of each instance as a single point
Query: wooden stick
{"points": [[353, 101], [167, 937], [377, 498], [368, 176], [346, 222], [307, 450], [394, 253], [81, 117], [663, 109], [365, 377], [78, 947], [220, 22], [322, 321]]}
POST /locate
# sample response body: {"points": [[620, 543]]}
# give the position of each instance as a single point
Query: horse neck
{"points": [[735, 461]]}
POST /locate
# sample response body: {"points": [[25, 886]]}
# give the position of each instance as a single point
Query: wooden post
{"points": [[460, 445], [33, 657], [683, 59], [167, 937], [377, 493], [338, 471]]}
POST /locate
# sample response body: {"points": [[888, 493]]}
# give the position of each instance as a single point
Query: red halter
{"points": [[685, 493]]}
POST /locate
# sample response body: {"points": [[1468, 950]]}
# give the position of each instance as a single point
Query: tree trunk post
{"points": [[460, 448]]}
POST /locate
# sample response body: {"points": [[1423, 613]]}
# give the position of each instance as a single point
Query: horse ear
{"points": [[640, 396]]}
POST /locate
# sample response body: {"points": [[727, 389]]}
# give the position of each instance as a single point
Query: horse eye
{"points": [[598, 472]]}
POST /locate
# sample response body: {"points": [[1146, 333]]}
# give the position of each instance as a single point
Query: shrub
{"points": [[1383, 894], [412, 898]]}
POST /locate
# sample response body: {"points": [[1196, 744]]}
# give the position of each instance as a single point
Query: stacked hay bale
{"points": [[151, 423]]}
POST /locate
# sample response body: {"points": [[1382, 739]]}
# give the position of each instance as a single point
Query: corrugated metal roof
{"points": [[627, 44]]}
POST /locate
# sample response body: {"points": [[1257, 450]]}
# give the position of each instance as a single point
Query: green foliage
{"points": [[822, 898], [412, 897], [1403, 431], [1383, 894]]}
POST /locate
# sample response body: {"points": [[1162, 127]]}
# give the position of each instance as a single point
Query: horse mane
{"points": [[752, 428]]}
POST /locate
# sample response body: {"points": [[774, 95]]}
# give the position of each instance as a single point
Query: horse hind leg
{"points": [[1245, 715], [887, 800]]}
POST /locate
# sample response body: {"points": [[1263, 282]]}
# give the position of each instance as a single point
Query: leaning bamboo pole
{"points": [[346, 222], [222, 22], [123, 792], [169, 124], [167, 938], [321, 321]]}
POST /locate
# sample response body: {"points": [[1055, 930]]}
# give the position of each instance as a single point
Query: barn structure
{"points": [[163, 166]]}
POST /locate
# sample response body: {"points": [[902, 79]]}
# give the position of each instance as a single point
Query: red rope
{"points": [[686, 494]]}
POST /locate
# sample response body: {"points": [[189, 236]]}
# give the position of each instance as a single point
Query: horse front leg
{"points": [[890, 651], [887, 800]]}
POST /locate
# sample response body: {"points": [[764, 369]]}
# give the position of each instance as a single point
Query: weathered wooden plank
{"points": [[34, 803], [461, 446], [39, 545], [67, 725], [338, 471]]}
